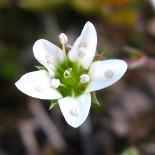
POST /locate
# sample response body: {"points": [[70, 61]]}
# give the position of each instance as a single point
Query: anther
{"points": [[55, 83], [84, 78], [67, 73], [75, 111], [63, 38]]}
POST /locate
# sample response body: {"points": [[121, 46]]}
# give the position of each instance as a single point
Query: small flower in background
{"points": [[70, 76], [153, 3]]}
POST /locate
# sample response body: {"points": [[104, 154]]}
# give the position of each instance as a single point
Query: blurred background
{"points": [[124, 123]]}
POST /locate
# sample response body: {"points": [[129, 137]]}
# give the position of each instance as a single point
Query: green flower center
{"points": [[69, 75]]}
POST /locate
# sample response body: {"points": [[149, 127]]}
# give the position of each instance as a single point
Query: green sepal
{"points": [[94, 98], [53, 104], [40, 67]]}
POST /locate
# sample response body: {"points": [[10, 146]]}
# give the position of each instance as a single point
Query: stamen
{"points": [[67, 73], [55, 83], [75, 111], [63, 38], [84, 78]]}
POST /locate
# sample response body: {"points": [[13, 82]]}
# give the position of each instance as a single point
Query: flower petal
{"points": [[75, 110], [37, 84], [105, 73], [84, 48], [47, 53]]}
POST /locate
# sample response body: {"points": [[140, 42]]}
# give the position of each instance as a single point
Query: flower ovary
{"points": [[69, 75]]}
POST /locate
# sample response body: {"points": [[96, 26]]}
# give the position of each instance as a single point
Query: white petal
{"points": [[105, 73], [47, 53], [37, 84], [84, 48], [75, 110], [153, 3]]}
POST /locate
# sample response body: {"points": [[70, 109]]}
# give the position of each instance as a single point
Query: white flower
{"points": [[153, 3], [71, 77]]}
